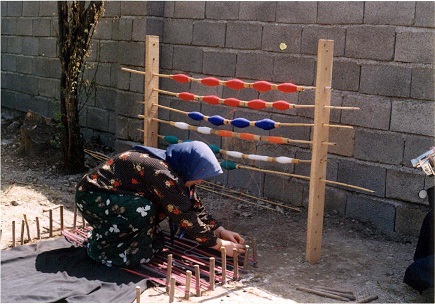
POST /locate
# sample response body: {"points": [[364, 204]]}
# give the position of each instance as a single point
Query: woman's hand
{"points": [[232, 236], [229, 247]]}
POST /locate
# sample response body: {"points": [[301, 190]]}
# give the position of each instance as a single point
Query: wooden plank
{"points": [[316, 200], [150, 96]]}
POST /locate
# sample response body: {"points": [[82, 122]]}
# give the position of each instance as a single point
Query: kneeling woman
{"points": [[126, 198]]}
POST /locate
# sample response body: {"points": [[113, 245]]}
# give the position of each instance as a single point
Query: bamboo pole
{"points": [[212, 273], [224, 265], [168, 271], [151, 96], [172, 290], [197, 281], [236, 264], [187, 289], [138, 294], [246, 260]]}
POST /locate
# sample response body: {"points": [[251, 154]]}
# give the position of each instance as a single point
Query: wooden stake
{"points": [[61, 217], [50, 215], [38, 229], [13, 234], [22, 232], [168, 271], [212, 273], [322, 293], [224, 265], [236, 264], [187, 289], [245, 262], [367, 299], [27, 227], [151, 96], [172, 290], [138, 294], [197, 281], [319, 151], [75, 218]]}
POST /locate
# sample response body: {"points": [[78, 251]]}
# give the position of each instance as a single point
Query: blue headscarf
{"points": [[192, 160]]}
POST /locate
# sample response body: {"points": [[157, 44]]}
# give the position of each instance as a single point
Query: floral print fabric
{"points": [[126, 197]]}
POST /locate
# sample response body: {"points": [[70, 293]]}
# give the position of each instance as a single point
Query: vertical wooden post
{"points": [[224, 265], [27, 227], [13, 234], [236, 264], [138, 293], [212, 273], [61, 217], [38, 229], [22, 232], [150, 96], [168, 272], [188, 280], [50, 215], [319, 151], [197, 281], [246, 260], [172, 290], [75, 218]]}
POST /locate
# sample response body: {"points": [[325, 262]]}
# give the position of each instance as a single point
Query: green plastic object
{"points": [[228, 165]]}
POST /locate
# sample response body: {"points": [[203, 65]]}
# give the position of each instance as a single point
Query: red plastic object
{"points": [[181, 78], [276, 140], [224, 133], [281, 105], [232, 102], [262, 86], [186, 96], [210, 81], [257, 104], [235, 84], [247, 136], [211, 99], [287, 87]]}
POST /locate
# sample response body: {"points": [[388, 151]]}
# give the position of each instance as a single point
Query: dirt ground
{"points": [[355, 256]]}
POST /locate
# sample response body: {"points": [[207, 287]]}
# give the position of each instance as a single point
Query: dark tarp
{"points": [[56, 271]]}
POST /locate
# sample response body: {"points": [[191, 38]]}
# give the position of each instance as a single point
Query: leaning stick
{"points": [[172, 290], [197, 280], [245, 262], [348, 295], [168, 271], [61, 217], [38, 229], [212, 272], [50, 214], [75, 218], [13, 234], [335, 289], [187, 289], [27, 227], [236, 264], [367, 299], [137, 294], [22, 232], [322, 293], [224, 265]]}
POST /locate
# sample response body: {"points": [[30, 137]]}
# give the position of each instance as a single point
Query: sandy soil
{"points": [[355, 256]]}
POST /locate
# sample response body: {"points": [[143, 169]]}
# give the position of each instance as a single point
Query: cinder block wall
{"points": [[383, 63]]}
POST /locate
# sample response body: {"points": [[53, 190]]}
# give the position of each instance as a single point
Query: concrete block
{"points": [[257, 11], [122, 29], [254, 66], [415, 46], [166, 56], [409, 220], [46, 67], [8, 99], [363, 42], [9, 26], [97, 119], [174, 86], [137, 83], [209, 33], [105, 28], [28, 84], [275, 34], [102, 74], [298, 133], [23, 102], [381, 214], [386, 80], [132, 53], [108, 51], [128, 104], [335, 201], [340, 12], [298, 70], [414, 146], [251, 181], [49, 87], [47, 8], [286, 190], [312, 34], [345, 140], [424, 14], [4, 8], [379, 146], [363, 175], [296, 12], [134, 129], [155, 8], [189, 9], [24, 27], [242, 35], [41, 27], [405, 185], [15, 45], [219, 63], [112, 123], [106, 98], [121, 127], [178, 31], [187, 59], [134, 8], [308, 98], [119, 79], [30, 8], [375, 112], [30, 46], [4, 43], [413, 117], [389, 12], [345, 75], [147, 26], [423, 83], [13, 63], [15, 8], [222, 10], [48, 47], [112, 9]]}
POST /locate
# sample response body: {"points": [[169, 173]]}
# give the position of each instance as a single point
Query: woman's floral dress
{"points": [[126, 198]]}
